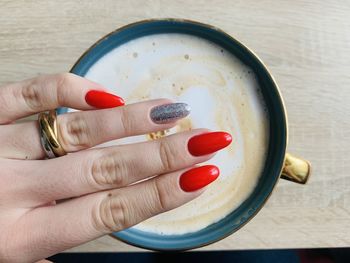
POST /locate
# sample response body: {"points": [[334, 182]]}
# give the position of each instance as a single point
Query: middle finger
{"points": [[114, 167]]}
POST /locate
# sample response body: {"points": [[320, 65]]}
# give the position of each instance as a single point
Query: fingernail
{"points": [[169, 112], [198, 177], [102, 100], [207, 143]]}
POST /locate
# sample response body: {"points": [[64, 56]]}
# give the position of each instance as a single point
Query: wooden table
{"points": [[306, 44]]}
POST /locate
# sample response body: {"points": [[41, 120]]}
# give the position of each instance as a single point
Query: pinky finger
{"points": [[77, 221]]}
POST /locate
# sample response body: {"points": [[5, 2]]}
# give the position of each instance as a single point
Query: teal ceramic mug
{"points": [[278, 163]]}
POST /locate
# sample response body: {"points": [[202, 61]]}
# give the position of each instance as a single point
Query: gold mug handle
{"points": [[296, 169]]}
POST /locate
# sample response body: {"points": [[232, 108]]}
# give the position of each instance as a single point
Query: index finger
{"points": [[46, 93]]}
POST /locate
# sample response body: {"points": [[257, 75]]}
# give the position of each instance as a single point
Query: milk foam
{"points": [[223, 94]]}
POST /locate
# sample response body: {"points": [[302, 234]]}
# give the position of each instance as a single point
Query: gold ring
{"points": [[48, 133]]}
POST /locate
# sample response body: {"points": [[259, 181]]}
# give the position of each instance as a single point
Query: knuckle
{"points": [[63, 77], [62, 81], [112, 214], [160, 197], [127, 120], [31, 96], [109, 170], [75, 133], [167, 155]]}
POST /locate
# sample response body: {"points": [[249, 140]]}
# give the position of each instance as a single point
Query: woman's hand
{"points": [[97, 183]]}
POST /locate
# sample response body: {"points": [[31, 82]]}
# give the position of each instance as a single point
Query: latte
{"points": [[223, 94]]}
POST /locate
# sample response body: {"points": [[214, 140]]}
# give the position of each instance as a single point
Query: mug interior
{"points": [[277, 119]]}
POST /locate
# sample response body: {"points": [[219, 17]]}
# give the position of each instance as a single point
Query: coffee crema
{"points": [[223, 94]]}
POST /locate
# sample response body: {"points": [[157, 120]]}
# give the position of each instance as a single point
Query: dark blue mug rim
{"points": [[276, 109]]}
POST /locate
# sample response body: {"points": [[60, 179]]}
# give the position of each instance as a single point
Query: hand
{"points": [[96, 184]]}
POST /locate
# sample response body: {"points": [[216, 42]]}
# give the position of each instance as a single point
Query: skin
{"points": [[95, 183]]}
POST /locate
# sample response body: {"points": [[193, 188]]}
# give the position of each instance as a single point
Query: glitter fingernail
{"points": [[169, 112]]}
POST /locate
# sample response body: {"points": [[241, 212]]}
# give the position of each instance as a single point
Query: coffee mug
{"points": [[278, 164]]}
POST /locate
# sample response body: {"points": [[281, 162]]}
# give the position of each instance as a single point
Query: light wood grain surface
{"points": [[306, 44]]}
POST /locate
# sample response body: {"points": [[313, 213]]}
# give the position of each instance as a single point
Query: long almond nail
{"points": [[169, 112], [207, 143], [102, 100], [198, 177]]}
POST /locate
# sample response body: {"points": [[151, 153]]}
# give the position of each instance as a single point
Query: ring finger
{"points": [[84, 129]]}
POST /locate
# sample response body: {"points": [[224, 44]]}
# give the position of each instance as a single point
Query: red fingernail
{"points": [[198, 177], [103, 100], [207, 143]]}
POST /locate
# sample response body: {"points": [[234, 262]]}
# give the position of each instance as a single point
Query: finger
{"points": [[47, 92], [84, 129], [113, 167], [69, 224]]}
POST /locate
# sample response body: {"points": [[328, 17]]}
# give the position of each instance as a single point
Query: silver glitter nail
{"points": [[169, 112]]}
